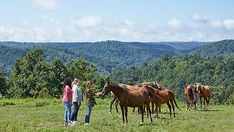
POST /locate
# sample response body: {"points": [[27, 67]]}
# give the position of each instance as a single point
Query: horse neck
{"points": [[118, 91]]}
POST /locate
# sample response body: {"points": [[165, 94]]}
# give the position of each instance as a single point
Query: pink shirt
{"points": [[67, 91]]}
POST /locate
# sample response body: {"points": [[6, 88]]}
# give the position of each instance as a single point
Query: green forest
{"points": [[38, 70], [174, 72], [107, 56]]}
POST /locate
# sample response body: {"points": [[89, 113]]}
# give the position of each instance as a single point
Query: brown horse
{"points": [[129, 98], [115, 99], [166, 96], [162, 96], [191, 96], [204, 92]]}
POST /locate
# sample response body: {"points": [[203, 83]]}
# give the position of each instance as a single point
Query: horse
{"points": [[191, 96], [115, 99], [205, 92], [166, 96], [129, 98], [163, 95]]}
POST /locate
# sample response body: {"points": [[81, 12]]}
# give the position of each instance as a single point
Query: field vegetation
{"points": [[47, 115]]}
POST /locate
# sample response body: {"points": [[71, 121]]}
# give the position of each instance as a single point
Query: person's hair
{"points": [[76, 80], [88, 83], [67, 81]]}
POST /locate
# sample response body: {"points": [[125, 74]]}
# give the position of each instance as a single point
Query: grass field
{"points": [[47, 115]]}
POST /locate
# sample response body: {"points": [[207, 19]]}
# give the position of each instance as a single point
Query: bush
{"points": [[44, 93]]}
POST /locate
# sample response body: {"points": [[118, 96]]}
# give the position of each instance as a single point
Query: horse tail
{"points": [[176, 103]]}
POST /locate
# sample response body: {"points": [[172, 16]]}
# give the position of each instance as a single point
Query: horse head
{"points": [[107, 88], [199, 88]]}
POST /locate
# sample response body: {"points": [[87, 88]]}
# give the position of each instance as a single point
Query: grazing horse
{"points": [[129, 98], [205, 92], [191, 96]]}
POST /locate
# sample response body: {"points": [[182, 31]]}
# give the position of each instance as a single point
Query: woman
{"points": [[90, 101], [67, 99], [76, 99]]}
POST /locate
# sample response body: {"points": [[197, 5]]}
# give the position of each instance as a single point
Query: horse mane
{"points": [[116, 85]]}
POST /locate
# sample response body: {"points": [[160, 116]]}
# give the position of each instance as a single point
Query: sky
{"points": [[122, 20]]}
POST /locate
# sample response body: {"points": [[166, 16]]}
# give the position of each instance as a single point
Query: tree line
{"points": [[33, 76]]}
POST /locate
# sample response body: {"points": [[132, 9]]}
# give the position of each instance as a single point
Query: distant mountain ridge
{"points": [[215, 48], [108, 55]]}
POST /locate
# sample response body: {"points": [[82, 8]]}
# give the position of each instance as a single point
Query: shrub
{"points": [[44, 93]]}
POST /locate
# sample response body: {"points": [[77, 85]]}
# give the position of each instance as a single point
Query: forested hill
{"points": [[215, 48], [109, 55], [106, 55], [174, 72]]}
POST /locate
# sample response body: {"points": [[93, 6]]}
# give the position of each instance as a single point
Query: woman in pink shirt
{"points": [[67, 100]]}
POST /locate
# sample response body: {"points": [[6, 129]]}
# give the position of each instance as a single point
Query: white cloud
{"points": [[174, 23], [95, 28], [45, 4], [229, 23], [216, 23], [86, 22], [128, 22], [199, 18]]}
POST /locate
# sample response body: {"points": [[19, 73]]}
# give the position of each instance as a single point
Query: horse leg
{"points": [[126, 114], [116, 106], [204, 103], [195, 105], [122, 110], [152, 105], [173, 107], [112, 101], [133, 109], [148, 110], [187, 103], [169, 106], [157, 109], [201, 102], [208, 102], [142, 114]]}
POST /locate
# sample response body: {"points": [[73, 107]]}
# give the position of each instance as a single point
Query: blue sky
{"points": [[124, 20]]}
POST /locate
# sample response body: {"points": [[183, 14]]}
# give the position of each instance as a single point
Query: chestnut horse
{"points": [[130, 98], [115, 99], [166, 96], [191, 96], [204, 92]]}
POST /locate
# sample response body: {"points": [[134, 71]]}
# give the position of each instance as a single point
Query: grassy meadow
{"points": [[47, 115]]}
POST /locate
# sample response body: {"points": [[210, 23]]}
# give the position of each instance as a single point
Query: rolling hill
{"points": [[106, 55], [215, 48]]}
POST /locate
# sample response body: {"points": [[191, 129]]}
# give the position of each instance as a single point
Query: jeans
{"points": [[75, 111], [67, 115], [88, 113]]}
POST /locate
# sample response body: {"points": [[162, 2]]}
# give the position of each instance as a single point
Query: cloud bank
{"points": [[97, 28]]}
